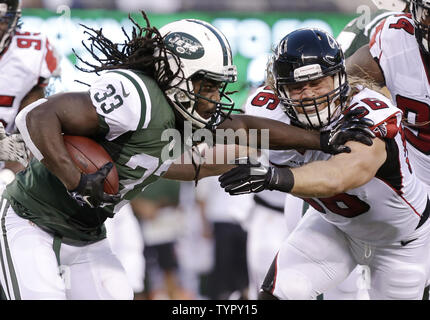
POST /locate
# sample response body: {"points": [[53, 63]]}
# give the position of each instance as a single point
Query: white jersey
{"points": [[29, 60], [264, 103], [390, 205], [407, 78]]}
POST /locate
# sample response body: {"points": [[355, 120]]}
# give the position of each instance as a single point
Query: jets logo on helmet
{"points": [[204, 53], [185, 45], [10, 12], [307, 55]]}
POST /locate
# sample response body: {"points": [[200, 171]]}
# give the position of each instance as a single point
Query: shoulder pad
{"points": [[385, 116]]}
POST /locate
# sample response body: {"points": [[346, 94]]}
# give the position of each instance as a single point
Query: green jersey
{"points": [[357, 33], [133, 113]]}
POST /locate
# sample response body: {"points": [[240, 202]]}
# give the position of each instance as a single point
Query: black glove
{"points": [[90, 189], [247, 178], [351, 127]]}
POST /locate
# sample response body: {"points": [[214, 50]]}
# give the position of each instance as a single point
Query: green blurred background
{"points": [[252, 36]]}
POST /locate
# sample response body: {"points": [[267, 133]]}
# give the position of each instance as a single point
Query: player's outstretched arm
{"points": [[281, 136], [42, 124], [341, 172], [320, 179], [217, 160], [208, 161]]}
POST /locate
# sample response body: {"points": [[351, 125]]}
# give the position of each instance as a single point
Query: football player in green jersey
{"points": [[358, 31], [54, 244]]}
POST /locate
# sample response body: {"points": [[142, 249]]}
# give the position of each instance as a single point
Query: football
{"points": [[89, 156]]}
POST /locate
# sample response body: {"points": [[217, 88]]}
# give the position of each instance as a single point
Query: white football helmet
{"points": [[391, 5], [204, 52]]}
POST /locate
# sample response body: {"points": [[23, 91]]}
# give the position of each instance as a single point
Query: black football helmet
{"points": [[306, 55], [10, 12], [420, 10]]}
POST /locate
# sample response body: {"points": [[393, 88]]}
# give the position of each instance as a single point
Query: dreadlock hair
{"points": [[144, 51]]}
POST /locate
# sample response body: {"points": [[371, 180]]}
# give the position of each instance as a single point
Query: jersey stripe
{"points": [[143, 94], [5, 283], [6, 254], [221, 39], [375, 21]]}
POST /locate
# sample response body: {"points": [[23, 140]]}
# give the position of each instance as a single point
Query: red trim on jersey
{"points": [[6, 101], [391, 127], [50, 59], [377, 30], [399, 193]]}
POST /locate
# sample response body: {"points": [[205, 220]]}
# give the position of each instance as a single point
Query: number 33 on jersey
{"points": [[133, 113]]}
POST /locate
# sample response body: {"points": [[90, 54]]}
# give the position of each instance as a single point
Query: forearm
{"points": [[42, 126], [317, 180], [208, 161], [340, 173], [46, 133], [281, 135]]}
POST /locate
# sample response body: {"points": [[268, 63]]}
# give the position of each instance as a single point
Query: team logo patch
{"points": [[381, 130], [184, 45]]}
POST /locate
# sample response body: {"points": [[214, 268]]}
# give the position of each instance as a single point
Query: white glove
{"points": [[12, 147]]}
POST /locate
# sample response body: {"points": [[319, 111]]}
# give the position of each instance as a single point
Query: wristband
{"points": [[281, 179]]}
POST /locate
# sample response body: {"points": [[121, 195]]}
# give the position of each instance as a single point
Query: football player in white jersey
{"points": [[398, 56], [368, 206], [27, 62]]}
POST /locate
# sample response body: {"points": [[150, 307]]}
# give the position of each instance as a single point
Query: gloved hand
{"points": [[90, 189], [12, 147], [247, 178], [351, 127]]}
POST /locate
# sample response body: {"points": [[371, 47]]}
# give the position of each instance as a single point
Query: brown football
{"points": [[89, 156]]}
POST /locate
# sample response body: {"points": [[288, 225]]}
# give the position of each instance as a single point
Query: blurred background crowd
{"points": [[185, 5]]}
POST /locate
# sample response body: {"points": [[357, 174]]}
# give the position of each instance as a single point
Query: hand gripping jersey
{"points": [[408, 79], [29, 60], [390, 205], [133, 113]]}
